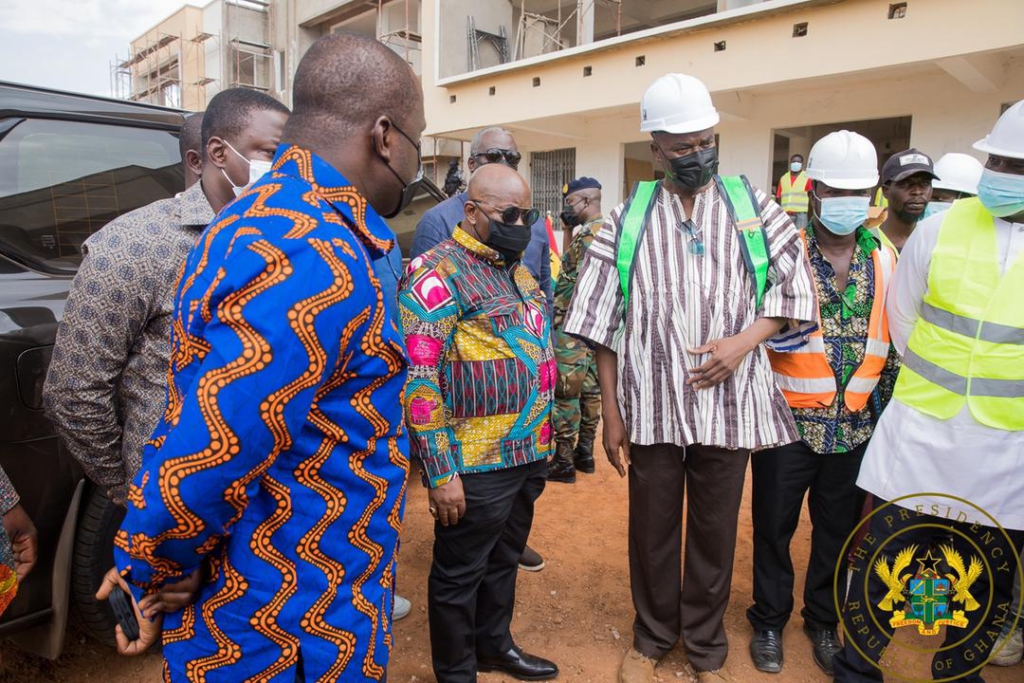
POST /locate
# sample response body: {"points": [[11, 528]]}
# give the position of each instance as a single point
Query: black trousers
{"points": [[692, 605], [781, 478], [472, 585], [866, 624]]}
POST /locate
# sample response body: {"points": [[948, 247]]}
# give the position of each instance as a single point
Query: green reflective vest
{"points": [[968, 343], [743, 208]]}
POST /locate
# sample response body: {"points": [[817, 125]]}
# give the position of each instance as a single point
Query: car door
{"points": [[60, 181]]}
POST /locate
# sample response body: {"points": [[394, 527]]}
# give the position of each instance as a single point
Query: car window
{"points": [[61, 181]]}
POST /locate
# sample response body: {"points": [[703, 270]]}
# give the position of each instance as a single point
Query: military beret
{"points": [[579, 184]]}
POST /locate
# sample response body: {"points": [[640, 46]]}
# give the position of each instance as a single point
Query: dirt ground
{"points": [[576, 611]]}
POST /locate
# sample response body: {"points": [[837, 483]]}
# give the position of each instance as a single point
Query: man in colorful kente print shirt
{"points": [[478, 406], [281, 461], [836, 384]]}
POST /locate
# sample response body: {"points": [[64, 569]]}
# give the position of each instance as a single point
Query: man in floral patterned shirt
{"points": [[478, 409], [836, 385]]}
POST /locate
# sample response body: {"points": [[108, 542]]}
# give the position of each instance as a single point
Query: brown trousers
{"points": [[692, 606]]}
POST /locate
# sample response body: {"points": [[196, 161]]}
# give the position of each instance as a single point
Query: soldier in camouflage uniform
{"points": [[577, 395]]}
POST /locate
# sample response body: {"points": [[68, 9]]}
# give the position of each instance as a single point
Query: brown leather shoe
{"points": [[717, 676], [637, 668]]}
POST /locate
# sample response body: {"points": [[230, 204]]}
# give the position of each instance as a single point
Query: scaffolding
{"points": [[179, 70], [252, 64], [407, 37]]}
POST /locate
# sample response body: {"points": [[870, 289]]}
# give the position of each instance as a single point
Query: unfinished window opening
{"points": [[897, 10], [800, 30], [641, 60], [720, 46]]}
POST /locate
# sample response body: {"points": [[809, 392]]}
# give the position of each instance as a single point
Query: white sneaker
{"points": [[402, 608], [1012, 648]]}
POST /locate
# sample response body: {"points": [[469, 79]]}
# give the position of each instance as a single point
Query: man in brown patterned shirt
{"points": [[106, 386]]}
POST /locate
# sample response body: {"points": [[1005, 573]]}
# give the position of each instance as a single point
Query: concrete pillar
{"points": [[603, 159], [585, 21], [746, 147]]}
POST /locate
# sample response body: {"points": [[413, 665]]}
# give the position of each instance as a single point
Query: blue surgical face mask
{"points": [[843, 215], [1002, 194], [795, 166], [933, 208]]}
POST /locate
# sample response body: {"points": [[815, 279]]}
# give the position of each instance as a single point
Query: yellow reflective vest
{"points": [[794, 193], [968, 343]]}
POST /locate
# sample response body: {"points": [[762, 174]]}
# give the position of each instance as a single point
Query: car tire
{"points": [[93, 558]]}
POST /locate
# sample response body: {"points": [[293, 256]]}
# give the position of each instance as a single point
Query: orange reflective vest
{"points": [[794, 193], [804, 375]]}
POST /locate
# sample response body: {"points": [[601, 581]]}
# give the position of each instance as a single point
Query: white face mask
{"points": [[257, 169]]}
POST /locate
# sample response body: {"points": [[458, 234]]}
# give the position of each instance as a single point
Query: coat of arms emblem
{"points": [[930, 597]]}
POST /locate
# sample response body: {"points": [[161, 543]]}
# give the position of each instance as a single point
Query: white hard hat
{"points": [[677, 103], [844, 160], [1007, 137], [958, 172]]}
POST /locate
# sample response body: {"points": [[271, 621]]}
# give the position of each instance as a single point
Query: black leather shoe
{"points": [[583, 459], [825, 645], [561, 471], [766, 651], [518, 664]]}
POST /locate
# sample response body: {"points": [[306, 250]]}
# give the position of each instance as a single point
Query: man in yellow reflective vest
{"points": [[835, 384], [949, 449], [792, 191]]}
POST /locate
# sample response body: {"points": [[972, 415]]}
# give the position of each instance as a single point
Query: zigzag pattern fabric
{"points": [[281, 460]]}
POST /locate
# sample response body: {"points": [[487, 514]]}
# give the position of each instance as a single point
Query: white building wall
{"points": [[213, 23]]}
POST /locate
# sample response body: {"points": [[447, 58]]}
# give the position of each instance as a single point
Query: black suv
{"points": [[69, 164]]}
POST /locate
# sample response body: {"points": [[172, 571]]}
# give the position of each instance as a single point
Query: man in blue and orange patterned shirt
{"points": [[280, 463], [478, 406]]}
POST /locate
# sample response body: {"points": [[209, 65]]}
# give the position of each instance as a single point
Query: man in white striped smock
{"points": [[686, 386]]}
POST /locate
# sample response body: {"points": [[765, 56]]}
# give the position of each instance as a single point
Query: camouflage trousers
{"points": [[577, 396]]}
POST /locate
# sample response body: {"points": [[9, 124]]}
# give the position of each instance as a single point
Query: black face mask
{"points": [[508, 240], [570, 218], [695, 170], [410, 189]]}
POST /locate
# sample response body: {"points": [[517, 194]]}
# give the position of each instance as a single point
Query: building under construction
{"points": [[194, 53]]}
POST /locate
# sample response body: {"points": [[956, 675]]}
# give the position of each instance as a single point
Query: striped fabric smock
{"points": [[679, 301]]}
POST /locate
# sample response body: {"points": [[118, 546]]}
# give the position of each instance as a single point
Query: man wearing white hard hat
{"points": [[836, 385], [678, 291], [949, 448], [958, 176]]}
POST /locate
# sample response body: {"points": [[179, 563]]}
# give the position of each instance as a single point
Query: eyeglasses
{"points": [[495, 155], [512, 214], [695, 246]]}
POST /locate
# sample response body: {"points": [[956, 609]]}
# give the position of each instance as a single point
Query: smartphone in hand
{"points": [[121, 603]]}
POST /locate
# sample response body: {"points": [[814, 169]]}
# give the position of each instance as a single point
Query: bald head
{"points": [[499, 185], [359, 106], [345, 82], [492, 189]]}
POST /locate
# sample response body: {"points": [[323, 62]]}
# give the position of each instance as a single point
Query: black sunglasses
{"points": [[495, 155], [510, 215]]}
